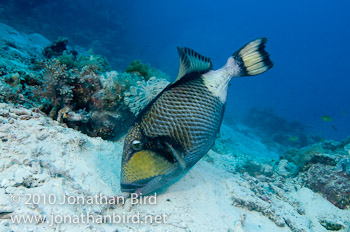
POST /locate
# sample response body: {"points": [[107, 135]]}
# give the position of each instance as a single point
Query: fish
{"points": [[343, 112], [293, 138], [327, 118], [180, 125]]}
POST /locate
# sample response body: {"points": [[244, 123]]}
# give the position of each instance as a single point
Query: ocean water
{"points": [[287, 128], [308, 43]]}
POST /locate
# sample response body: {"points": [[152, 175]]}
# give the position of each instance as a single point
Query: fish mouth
{"points": [[141, 169]]}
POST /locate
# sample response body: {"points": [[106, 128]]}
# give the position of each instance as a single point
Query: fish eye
{"points": [[136, 145]]}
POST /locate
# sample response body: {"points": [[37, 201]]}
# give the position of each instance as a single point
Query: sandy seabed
{"points": [[50, 171]]}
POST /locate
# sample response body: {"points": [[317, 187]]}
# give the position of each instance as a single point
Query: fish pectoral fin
{"points": [[177, 156], [191, 61]]}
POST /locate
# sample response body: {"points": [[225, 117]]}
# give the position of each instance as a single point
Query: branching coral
{"points": [[62, 88], [139, 96], [109, 96], [56, 85], [87, 84]]}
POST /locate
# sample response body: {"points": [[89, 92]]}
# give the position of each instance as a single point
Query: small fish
{"points": [[334, 128], [343, 112], [177, 128], [294, 138], [327, 118]]}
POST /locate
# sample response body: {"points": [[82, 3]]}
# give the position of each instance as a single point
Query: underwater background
{"points": [[74, 75], [308, 42]]}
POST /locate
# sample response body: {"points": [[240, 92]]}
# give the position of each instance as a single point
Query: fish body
{"points": [[294, 138], [327, 118], [175, 130]]}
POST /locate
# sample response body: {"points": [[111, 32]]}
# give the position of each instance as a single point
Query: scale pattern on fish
{"points": [[177, 128]]}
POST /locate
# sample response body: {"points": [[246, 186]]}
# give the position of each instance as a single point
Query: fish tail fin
{"points": [[252, 58]]}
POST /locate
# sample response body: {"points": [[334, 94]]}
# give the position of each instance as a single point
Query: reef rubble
{"points": [[39, 155]]}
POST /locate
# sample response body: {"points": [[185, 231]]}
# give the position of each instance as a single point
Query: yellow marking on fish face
{"points": [[143, 165]]}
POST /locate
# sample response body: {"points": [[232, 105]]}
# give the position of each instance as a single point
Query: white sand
{"points": [[39, 156]]}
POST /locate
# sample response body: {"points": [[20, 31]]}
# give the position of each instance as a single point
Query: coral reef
{"points": [[335, 186], [325, 168], [77, 89], [56, 48], [60, 88], [90, 61], [269, 186], [277, 131], [139, 96], [322, 167], [136, 66], [84, 100], [242, 173], [18, 72]]}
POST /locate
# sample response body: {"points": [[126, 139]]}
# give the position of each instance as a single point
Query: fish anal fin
{"points": [[191, 61]]}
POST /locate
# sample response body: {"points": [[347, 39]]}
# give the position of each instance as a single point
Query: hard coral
{"points": [[62, 88], [333, 185], [139, 96], [136, 66], [91, 61], [325, 168], [57, 84]]}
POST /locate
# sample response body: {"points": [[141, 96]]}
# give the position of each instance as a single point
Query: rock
{"points": [[34, 42], [255, 168], [273, 202], [332, 225], [56, 48], [286, 169], [343, 166], [335, 145], [333, 185], [315, 153]]}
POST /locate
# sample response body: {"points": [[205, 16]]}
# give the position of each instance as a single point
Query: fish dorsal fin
{"points": [[191, 61]]}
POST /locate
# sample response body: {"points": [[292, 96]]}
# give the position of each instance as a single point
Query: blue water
{"points": [[308, 43]]}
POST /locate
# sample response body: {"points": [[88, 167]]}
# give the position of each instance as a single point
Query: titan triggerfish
{"points": [[178, 127]]}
